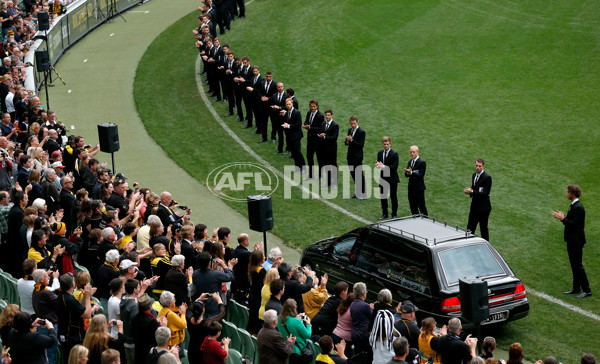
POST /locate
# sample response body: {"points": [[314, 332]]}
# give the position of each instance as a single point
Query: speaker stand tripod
{"points": [[112, 11], [112, 157], [46, 73], [57, 75]]}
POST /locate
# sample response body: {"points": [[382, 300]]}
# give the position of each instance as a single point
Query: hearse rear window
{"points": [[471, 261]]}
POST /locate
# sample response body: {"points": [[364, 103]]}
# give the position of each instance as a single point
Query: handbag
{"points": [[307, 353]]}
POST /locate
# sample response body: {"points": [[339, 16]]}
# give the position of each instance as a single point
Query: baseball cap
{"points": [[126, 264], [408, 307]]}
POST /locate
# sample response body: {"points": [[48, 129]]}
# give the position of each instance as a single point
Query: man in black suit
{"points": [[238, 86], [166, 215], [227, 71], [387, 161], [277, 104], [253, 93], [267, 89], [575, 237], [241, 286], [481, 185], [312, 123], [292, 124], [355, 140], [243, 80], [415, 172], [329, 135]]}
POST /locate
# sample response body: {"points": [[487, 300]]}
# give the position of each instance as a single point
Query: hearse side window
{"points": [[344, 246], [395, 260], [469, 261]]}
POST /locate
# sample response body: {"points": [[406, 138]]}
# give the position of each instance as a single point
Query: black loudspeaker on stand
{"points": [[43, 20], [260, 215], [42, 60], [108, 136], [474, 302]]}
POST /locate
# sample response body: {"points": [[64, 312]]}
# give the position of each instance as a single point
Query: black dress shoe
{"points": [[273, 141], [353, 196], [584, 295], [394, 217], [572, 292], [383, 217], [240, 119], [262, 141], [228, 114], [278, 152], [286, 152], [217, 99], [247, 126], [203, 73]]}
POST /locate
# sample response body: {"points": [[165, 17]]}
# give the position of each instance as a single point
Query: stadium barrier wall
{"points": [[81, 18]]}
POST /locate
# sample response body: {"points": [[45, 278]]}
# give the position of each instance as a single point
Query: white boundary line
{"points": [[259, 158], [564, 304]]}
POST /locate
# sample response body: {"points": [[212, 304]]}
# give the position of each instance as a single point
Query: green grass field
{"points": [[512, 82]]}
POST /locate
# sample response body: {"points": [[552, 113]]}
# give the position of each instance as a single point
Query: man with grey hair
{"points": [[274, 259], [361, 314], [271, 345], [53, 142], [109, 237], [67, 202], [106, 273], [452, 348], [50, 192], [161, 350]]}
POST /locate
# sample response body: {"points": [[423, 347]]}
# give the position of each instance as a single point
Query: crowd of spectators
{"points": [[62, 211]]}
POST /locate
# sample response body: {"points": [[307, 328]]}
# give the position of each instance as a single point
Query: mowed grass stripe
{"points": [[458, 84]]}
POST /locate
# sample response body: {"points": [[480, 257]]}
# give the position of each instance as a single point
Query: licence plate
{"points": [[496, 317]]}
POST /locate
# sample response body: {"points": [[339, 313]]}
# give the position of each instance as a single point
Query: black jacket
{"points": [[295, 289], [325, 320], [30, 347]]}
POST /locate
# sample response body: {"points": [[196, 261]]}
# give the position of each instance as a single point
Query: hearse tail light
{"points": [[451, 304], [520, 291]]}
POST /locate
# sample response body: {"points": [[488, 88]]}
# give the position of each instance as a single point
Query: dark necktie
{"points": [[327, 126], [412, 164], [476, 180], [267, 86], [312, 116], [279, 98]]}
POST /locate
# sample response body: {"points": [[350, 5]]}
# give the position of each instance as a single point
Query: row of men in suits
{"points": [[221, 13], [265, 99]]}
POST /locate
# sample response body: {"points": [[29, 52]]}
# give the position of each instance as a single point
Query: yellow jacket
{"points": [[313, 300], [176, 322]]}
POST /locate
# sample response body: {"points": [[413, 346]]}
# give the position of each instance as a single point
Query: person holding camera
{"points": [[27, 345], [296, 325]]}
